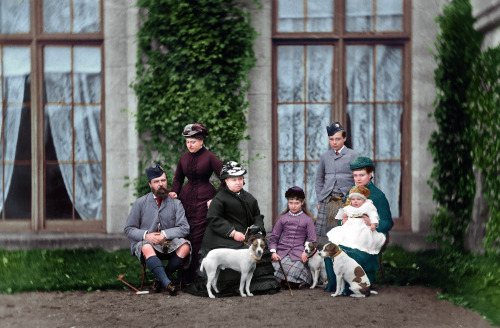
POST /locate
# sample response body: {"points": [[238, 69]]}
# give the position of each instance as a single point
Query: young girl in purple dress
{"points": [[293, 228]]}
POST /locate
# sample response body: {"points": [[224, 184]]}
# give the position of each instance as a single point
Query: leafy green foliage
{"points": [[485, 104], [193, 64], [452, 179], [467, 114], [466, 279]]}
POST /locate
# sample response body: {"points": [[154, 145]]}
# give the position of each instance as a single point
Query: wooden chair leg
{"points": [[381, 266], [143, 265]]}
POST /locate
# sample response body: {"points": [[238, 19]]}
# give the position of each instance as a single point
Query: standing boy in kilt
{"points": [[333, 179]]}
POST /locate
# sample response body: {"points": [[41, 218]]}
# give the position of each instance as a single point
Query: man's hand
{"points": [[155, 237]]}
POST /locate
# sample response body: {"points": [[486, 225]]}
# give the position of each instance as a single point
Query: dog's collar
{"points": [[337, 254], [315, 251], [255, 258]]}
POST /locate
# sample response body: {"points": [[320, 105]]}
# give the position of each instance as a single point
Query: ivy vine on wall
{"points": [[193, 63], [467, 115], [485, 105]]}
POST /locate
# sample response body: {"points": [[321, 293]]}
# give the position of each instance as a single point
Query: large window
{"points": [[52, 112], [344, 61]]}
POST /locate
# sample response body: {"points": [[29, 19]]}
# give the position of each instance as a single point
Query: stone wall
{"points": [[120, 47]]}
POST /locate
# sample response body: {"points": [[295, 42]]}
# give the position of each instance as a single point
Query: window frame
{"points": [[36, 40], [339, 39]]}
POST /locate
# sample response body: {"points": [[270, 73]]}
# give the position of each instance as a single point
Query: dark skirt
{"points": [[263, 280]]}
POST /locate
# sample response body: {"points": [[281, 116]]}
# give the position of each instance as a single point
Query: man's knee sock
{"points": [[174, 262], [154, 265]]}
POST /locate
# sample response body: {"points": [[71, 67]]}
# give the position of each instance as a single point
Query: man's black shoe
{"points": [[172, 289]]}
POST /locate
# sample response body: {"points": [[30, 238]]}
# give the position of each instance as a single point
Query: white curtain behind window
{"points": [[85, 122], [16, 69]]}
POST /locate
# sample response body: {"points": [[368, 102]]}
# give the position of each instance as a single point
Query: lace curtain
{"points": [[87, 195], [14, 93]]}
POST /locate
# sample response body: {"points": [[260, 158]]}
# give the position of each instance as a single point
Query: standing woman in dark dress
{"points": [[197, 165]]}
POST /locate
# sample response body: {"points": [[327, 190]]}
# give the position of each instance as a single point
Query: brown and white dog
{"points": [[347, 269], [315, 262], [242, 260]]}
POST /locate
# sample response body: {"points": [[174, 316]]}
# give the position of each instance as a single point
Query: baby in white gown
{"points": [[353, 232]]}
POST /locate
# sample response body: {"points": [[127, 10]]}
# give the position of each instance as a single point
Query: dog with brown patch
{"points": [[242, 260], [347, 269], [315, 262]]}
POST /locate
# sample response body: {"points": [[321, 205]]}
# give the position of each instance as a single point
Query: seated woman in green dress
{"points": [[362, 169]]}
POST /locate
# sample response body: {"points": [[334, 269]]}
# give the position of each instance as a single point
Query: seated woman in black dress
{"points": [[231, 213]]}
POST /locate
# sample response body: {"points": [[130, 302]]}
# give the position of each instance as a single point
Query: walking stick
{"points": [[120, 277], [286, 279]]}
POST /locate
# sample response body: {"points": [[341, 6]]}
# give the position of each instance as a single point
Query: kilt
{"points": [[176, 243], [323, 225], [296, 271]]}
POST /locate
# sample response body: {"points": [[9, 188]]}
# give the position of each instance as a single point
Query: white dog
{"points": [[347, 269], [315, 262], [242, 260]]}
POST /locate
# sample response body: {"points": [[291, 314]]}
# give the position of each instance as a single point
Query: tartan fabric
{"points": [[322, 226], [176, 243], [296, 271]]}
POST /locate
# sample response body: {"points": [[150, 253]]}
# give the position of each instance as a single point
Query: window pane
{"points": [[86, 13], [312, 168], [360, 117], [15, 122], [18, 200], [319, 73], [388, 131], [87, 138], [87, 76], [290, 74], [359, 73], [14, 16], [58, 132], [16, 67], [358, 15], [88, 191], [388, 179], [56, 16], [58, 193], [389, 15], [290, 16], [389, 73], [289, 175], [291, 132], [318, 118], [319, 16], [57, 68]]}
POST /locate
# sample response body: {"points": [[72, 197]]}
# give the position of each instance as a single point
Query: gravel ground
{"points": [[393, 307]]}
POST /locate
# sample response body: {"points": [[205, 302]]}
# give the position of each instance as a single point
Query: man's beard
{"points": [[161, 192]]}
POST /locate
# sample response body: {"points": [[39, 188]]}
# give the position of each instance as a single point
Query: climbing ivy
{"points": [[485, 105], [193, 63], [452, 179], [467, 114]]}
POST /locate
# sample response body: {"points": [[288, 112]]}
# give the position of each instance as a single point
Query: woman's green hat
{"points": [[360, 163]]}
